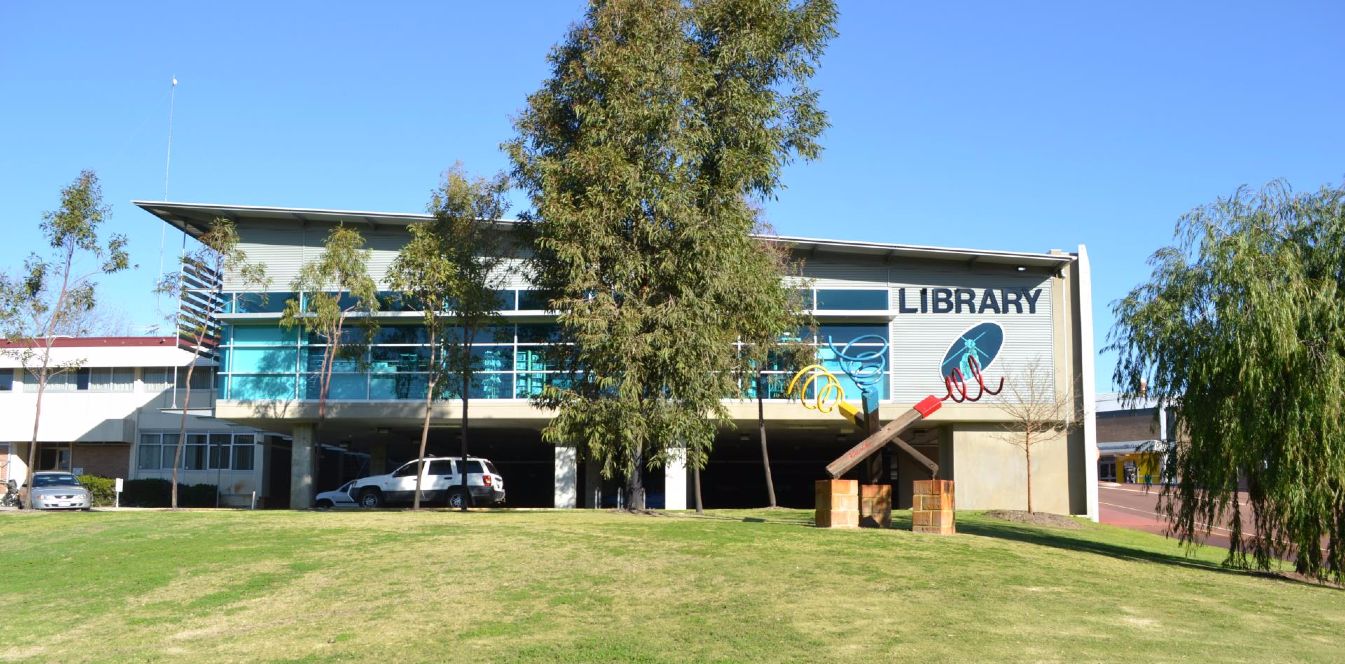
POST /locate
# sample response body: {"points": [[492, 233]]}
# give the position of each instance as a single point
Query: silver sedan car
{"points": [[53, 490]]}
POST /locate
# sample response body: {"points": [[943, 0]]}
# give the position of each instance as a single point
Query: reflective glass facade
{"points": [[261, 360]]}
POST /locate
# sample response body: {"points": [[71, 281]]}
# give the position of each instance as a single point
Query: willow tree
{"points": [[50, 292], [450, 268], [1241, 328], [333, 289], [198, 285], [661, 123]]}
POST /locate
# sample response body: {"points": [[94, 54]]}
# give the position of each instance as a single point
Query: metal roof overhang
{"points": [[195, 218]]}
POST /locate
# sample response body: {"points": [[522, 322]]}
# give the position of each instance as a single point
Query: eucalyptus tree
{"points": [[771, 333], [199, 287], [642, 153], [52, 291], [330, 291], [1241, 328], [453, 267]]}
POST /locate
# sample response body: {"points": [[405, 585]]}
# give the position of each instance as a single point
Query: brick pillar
{"points": [[932, 507], [837, 503], [875, 506]]}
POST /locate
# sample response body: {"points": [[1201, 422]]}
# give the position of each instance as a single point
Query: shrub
{"points": [[158, 493], [102, 488]]}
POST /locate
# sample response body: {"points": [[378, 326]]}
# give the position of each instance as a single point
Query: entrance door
{"points": [[1106, 470], [54, 458]]}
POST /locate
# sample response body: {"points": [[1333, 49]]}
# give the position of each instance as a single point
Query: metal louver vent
{"points": [[198, 329]]}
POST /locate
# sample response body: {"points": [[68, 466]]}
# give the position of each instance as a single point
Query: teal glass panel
{"points": [[484, 386], [262, 335], [387, 387], [401, 334], [261, 388], [343, 387], [262, 360], [841, 333], [852, 300], [398, 359], [533, 359]]}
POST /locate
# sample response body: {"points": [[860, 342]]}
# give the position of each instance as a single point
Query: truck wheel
{"points": [[371, 498], [456, 499]]}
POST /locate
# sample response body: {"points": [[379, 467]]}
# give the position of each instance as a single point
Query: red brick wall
{"points": [[103, 460]]}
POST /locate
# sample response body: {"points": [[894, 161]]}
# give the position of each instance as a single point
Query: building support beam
{"points": [[301, 467], [1087, 373], [567, 476], [675, 481]]}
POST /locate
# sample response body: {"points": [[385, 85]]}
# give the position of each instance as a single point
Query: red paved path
{"points": [[1131, 506]]}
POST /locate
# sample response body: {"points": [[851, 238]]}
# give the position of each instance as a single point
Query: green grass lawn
{"points": [[598, 586]]}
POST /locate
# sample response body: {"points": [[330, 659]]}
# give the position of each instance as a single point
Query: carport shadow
{"points": [[1059, 540]]}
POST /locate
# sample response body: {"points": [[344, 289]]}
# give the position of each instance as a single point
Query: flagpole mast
{"points": [[167, 164]]}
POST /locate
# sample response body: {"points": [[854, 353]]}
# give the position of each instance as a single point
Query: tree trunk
{"points": [[37, 418], [466, 383], [1028, 450], [46, 364], [635, 483], [765, 454], [696, 485], [182, 431], [425, 427]]}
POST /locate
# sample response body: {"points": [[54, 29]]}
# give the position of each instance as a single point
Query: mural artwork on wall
{"points": [[967, 358]]}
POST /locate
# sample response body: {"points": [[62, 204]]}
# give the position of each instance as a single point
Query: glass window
{"points": [[157, 378], [400, 334], [194, 452], [123, 380], [539, 333], [243, 451], [409, 470], [82, 378], [169, 450], [261, 303], [852, 300], [6, 380], [441, 467], [147, 457], [533, 300], [56, 382], [219, 451], [263, 360], [201, 378], [473, 467]]}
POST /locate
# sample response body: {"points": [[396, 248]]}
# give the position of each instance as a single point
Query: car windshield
{"points": [[55, 480]]}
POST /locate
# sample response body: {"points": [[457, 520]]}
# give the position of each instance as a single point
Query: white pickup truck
{"points": [[441, 484]]}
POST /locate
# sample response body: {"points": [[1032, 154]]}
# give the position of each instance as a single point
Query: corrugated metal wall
{"points": [[920, 340]]}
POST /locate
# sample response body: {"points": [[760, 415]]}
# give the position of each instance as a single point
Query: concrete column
{"points": [[301, 467], [675, 481], [566, 477], [1089, 388]]}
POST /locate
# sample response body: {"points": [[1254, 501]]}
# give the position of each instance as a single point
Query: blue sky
{"points": [[1021, 126]]}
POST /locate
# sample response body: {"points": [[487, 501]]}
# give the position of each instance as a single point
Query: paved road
{"points": [[1131, 506]]}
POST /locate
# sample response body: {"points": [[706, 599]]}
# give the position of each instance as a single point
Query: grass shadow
{"points": [[1078, 541]]}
